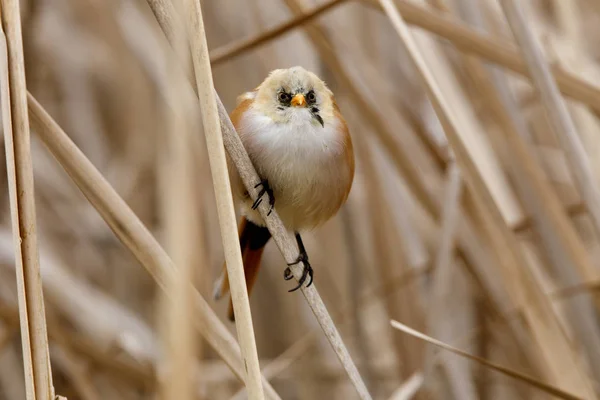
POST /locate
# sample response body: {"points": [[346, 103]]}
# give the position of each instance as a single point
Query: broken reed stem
{"points": [[34, 338], [282, 238], [233, 49], [493, 49], [224, 197], [132, 232], [556, 110], [560, 363]]}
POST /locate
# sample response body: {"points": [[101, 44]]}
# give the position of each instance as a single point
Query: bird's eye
{"points": [[311, 97], [284, 97]]}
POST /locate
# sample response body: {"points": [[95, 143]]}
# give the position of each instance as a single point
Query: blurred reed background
{"points": [[503, 265]]}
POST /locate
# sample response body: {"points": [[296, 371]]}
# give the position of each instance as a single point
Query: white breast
{"points": [[304, 163]]}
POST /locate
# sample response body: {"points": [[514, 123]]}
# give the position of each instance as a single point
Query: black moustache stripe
{"points": [[318, 118]]}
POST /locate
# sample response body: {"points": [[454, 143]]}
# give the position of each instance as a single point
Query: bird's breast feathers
{"points": [[309, 166]]}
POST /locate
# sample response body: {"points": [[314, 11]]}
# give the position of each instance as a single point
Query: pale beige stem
{"points": [[34, 338], [561, 365], [185, 241], [490, 48], [281, 236], [134, 235], [442, 273], [224, 198], [556, 109], [553, 390]]}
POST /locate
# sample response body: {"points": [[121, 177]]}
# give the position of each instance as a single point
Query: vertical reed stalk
{"points": [[224, 198], [34, 338], [185, 239]]}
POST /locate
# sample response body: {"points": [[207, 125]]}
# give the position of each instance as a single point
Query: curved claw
{"points": [[310, 273], [307, 272], [296, 288], [287, 274], [265, 189]]}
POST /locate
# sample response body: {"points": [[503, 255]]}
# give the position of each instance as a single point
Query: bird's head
{"points": [[295, 95]]}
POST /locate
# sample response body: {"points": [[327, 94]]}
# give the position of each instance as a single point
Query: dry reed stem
{"points": [[490, 48], [281, 236], [385, 257], [478, 145], [442, 272], [184, 236], [77, 371], [233, 49], [405, 161], [224, 197], [284, 360], [550, 389], [550, 338], [289, 251], [34, 338], [409, 388], [556, 110], [561, 241], [130, 230], [119, 368]]}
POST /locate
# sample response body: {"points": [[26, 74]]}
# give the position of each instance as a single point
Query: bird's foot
{"points": [[265, 189], [307, 272]]}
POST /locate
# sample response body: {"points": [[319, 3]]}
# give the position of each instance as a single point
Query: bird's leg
{"points": [[265, 189], [302, 258]]}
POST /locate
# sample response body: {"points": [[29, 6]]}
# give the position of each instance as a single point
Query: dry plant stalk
{"points": [[493, 49], [556, 109], [224, 197], [281, 236], [134, 235], [409, 388], [34, 338], [289, 250], [184, 236], [563, 245], [562, 365], [405, 161], [550, 389], [442, 272], [233, 49]]}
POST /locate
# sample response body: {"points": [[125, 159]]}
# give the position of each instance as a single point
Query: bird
{"points": [[300, 146]]}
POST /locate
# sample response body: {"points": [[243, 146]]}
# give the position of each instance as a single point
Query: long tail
{"points": [[253, 239]]}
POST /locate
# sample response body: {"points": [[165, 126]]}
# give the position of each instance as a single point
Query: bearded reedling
{"points": [[300, 146]]}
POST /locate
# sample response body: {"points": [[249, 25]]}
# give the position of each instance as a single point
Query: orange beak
{"points": [[298, 100]]}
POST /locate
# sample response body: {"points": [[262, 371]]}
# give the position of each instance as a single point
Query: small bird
{"points": [[299, 143]]}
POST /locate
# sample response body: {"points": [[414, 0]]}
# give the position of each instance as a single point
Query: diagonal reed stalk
{"points": [[563, 245], [134, 235], [224, 197], [34, 338], [556, 109], [550, 389], [236, 48], [561, 363], [491, 48], [281, 236]]}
